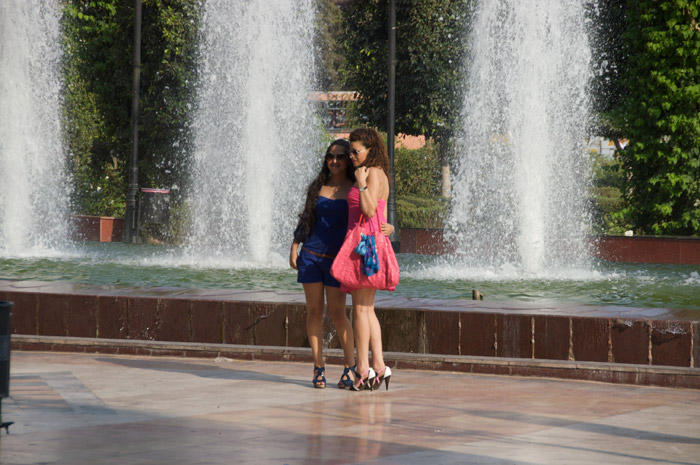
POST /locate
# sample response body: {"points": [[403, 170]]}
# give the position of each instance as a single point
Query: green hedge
{"points": [[606, 196], [421, 212], [417, 172]]}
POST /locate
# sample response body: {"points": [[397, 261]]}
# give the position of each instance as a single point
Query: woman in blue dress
{"points": [[322, 227]]}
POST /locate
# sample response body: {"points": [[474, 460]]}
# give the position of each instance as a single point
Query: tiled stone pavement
{"points": [[99, 409]]}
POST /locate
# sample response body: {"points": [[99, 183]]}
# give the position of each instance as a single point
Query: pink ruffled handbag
{"points": [[348, 267]]}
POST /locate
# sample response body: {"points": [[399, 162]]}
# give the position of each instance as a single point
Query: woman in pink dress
{"points": [[369, 193]]}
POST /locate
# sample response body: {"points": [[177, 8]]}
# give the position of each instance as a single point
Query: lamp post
{"points": [[130, 233], [390, 120]]}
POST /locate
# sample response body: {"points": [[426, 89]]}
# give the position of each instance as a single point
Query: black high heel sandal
{"points": [[319, 378], [345, 381]]}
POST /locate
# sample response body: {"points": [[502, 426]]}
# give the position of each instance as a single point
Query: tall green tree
{"points": [[168, 86], [659, 112], [97, 102], [608, 23], [98, 40], [430, 49], [329, 46]]}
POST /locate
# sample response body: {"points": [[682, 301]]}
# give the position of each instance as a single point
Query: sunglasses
{"points": [[356, 153], [339, 157]]}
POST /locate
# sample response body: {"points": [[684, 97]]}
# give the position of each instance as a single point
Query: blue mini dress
{"points": [[324, 242]]}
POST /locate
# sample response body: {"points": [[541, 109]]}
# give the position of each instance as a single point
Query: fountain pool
{"points": [[120, 265]]}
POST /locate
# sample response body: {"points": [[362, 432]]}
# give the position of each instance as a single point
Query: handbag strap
{"points": [[362, 221], [376, 221]]}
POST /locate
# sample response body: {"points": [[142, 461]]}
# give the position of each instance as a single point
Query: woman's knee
{"points": [[338, 315], [363, 297], [314, 312]]}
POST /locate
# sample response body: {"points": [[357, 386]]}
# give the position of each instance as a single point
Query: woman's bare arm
{"points": [[369, 198]]}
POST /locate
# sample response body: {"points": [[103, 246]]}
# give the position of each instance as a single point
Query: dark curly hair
{"points": [[307, 218]]}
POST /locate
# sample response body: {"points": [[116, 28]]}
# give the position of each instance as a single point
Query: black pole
{"points": [[5, 347], [130, 233], [390, 121]]}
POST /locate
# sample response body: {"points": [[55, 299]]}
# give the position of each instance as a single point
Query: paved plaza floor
{"points": [[100, 409]]}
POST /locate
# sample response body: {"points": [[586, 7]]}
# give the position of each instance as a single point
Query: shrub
{"points": [[417, 185], [417, 171], [421, 212], [609, 215]]}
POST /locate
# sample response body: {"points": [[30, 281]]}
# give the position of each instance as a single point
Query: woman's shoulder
{"points": [[377, 171], [377, 175]]}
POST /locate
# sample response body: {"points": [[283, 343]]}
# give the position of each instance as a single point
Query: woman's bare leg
{"points": [[375, 340], [314, 320], [363, 306], [338, 311]]}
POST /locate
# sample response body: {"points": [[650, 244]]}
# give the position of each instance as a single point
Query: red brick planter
{"points": [[97, 228], [643, 249], [639, 249]]}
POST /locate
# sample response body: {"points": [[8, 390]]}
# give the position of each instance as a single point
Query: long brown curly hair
{"points": [[377, 155]]}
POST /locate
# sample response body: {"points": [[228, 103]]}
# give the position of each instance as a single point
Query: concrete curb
{"points": [[616, 373]]}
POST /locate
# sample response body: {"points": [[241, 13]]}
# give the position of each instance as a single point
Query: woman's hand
{"points": [[293, 256], [387, 229], [361, 174]]}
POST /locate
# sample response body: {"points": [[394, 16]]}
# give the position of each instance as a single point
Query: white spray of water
{"points": [[34, 189], [520, 191], [255, 131]]}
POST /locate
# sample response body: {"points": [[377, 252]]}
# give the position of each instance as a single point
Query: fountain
{"points": [[519, 202], [255, 137], [34, 197], [519, 215]]}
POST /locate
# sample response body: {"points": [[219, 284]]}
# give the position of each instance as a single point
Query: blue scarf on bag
{"points": [[367, 250]]}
